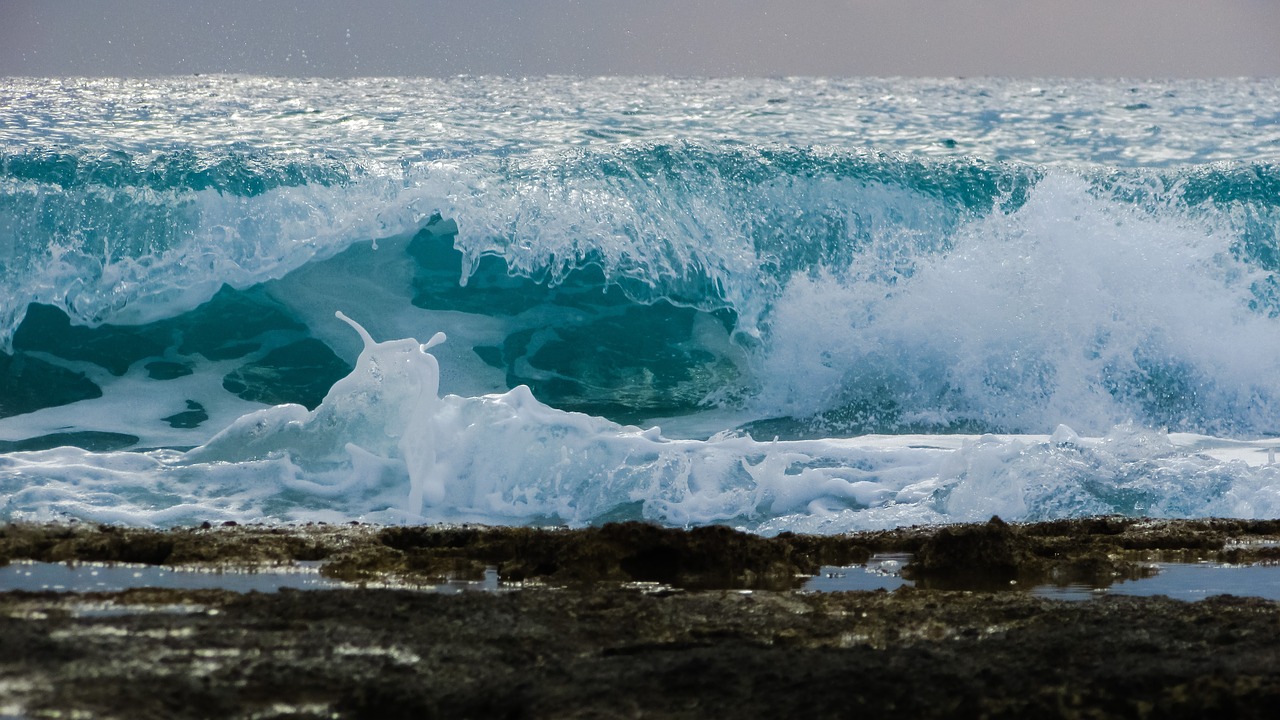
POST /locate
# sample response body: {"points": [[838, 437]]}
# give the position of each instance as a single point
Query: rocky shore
{"points": [[630, 620]]}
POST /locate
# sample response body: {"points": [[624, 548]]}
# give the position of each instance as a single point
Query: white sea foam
{"points": [[950, 254], [134, 403], [144, 255], [134, 252], [384, 446], [1073, 308]]}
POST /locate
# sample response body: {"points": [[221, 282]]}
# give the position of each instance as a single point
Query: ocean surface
{"points": [[811, 305]]}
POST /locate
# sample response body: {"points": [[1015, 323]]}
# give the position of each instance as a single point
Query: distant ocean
{"points": [[780, 304]]}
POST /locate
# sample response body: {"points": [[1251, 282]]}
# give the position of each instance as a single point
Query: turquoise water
{"points": [[1055, 298]]}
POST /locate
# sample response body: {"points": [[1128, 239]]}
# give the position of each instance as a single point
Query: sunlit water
{"points": [[798, 304], [1180, 581], [116, 577]]}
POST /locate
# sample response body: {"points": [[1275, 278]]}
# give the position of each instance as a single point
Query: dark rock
{"points": [[994, 554], [605, 652], [712, 556]]}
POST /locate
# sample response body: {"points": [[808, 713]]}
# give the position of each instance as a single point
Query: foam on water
{"points": [[384, 446], [137, 254], [1072, 308], [834, 264], [1063, 293]]}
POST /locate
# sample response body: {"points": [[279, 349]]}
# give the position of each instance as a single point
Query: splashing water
{"points": [[383, 445], [944, 299]]}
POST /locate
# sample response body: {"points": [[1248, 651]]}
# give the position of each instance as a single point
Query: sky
{"points": [[942, 38]]}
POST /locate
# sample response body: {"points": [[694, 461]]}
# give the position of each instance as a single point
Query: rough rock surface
{"points": [[586, 641]]}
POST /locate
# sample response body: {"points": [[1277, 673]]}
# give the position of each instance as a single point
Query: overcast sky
{"points": [[1132, 38]]}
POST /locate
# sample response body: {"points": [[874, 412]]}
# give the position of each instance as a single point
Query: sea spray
{"points": [[383, 446], [910, 284], [1071, 308]]}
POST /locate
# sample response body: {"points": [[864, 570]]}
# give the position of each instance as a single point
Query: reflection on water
{"points": [[99, 577], [1184, 581], [882, 572], [1180, 581]]}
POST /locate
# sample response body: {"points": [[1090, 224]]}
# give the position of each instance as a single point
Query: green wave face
{"points": [[1083, 265], [809, 291]]}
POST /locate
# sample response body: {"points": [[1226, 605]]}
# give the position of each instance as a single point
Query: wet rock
{"points": [[625, 552], [592, 647], [609, 652], [975, 556], [240, 546], [968, 557]]}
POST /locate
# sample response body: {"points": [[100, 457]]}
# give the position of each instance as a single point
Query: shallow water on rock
{"points": [[1180, 581], [101, 577], [882, 572], [1183, 581]]}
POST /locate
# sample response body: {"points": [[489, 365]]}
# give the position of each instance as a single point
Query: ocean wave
{"points": [[385, 446], [806, 291], [109, 237]]}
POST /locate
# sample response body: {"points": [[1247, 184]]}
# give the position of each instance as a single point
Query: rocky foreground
{"points": [[630, 620]]}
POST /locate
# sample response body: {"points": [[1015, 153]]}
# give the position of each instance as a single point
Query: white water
{"points": [[385, 447], [1028, 316], [844, 221]]}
